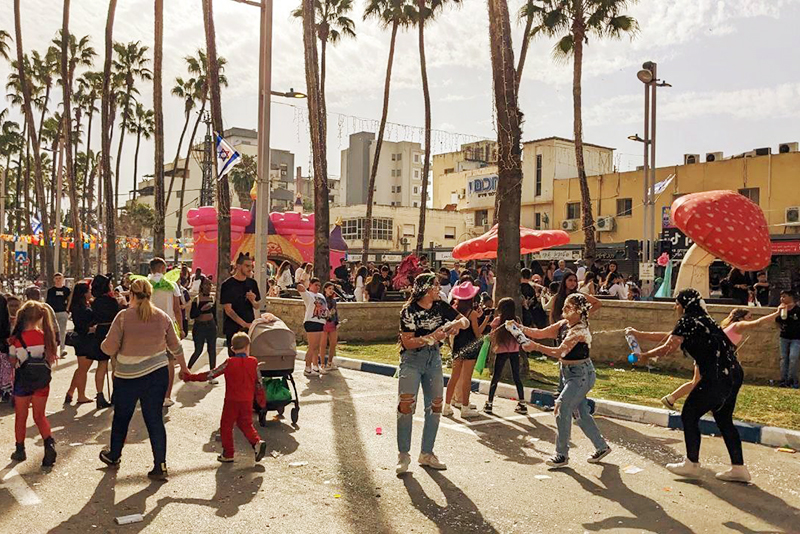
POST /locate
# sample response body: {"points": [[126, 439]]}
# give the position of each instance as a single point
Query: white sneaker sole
{"points": [[599, 459], [435, 467]]}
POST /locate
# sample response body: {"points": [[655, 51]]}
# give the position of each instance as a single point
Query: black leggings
{"points": [[718, 397], [499, 363], [204, 333]]}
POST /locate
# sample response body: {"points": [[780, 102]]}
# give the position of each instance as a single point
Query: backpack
{"points": [[34, 373]]}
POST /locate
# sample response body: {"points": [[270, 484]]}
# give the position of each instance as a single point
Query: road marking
{"points": [[19, 489]]}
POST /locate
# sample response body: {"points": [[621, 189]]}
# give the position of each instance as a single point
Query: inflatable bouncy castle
{"points": [[291, 237]]}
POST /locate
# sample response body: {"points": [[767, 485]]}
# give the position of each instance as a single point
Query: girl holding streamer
{"points": [[576, 378]]}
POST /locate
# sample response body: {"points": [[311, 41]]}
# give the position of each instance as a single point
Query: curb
{"points": [[749, 432]]}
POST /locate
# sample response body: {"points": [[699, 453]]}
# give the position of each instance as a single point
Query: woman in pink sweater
{"points": [[138, 342]]}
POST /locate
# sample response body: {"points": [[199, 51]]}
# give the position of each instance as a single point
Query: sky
{"points": [[732, 65]]}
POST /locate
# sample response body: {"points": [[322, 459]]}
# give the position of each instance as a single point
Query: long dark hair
{"points": [[506, 310], [330, 301], [285, 265], [363, 272], [77, 299], [556, 313], [101, 285], [465, 306]]}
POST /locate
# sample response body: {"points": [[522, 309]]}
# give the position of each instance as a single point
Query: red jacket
{"points": [[241, 378]]}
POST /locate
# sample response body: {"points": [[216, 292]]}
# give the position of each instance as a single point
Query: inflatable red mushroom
{"points": [[484, 247], [724, 225]]}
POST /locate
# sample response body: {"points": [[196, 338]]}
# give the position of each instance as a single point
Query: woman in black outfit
{"points": [[721, 377], [84, 330], [204, 331], [104, 308]]}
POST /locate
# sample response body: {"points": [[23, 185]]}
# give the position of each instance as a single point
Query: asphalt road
{"points": [[496, 479]]}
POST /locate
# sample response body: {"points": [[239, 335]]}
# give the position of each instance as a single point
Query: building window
{"points": [[353, 229], [449, 232], [416, 205], [408, 230], [400, 157], [624, 207], [451, 170], [416, 190], [416, 174], [573, 210], [481, 217], [537, 221], [538, 175], [416, 158], [398, 188], [394, 157], [752, 193]]}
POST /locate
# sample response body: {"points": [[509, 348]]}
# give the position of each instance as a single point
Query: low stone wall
{"points": [[758, 354], [366, 321], [379, 321]]}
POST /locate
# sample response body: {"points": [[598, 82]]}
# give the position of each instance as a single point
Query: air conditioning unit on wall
{"points": [[569, 225], [605, 224], [793, 215], [713, 156], [690, 159], [785, 148]]}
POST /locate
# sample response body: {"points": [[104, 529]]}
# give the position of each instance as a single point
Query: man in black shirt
{"points": [[57, 298], [342, 274], [528, 297], [762, 289], [240, 298], [789, 323]]}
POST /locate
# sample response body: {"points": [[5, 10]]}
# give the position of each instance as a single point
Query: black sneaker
{"points": [[19, 454], [521, 408], [557, 461], [260, 449], [68, 399], [159, 472], [224, 459], [102, 402], [50, 453], [487, 408], [598, 455], [105, 457]]}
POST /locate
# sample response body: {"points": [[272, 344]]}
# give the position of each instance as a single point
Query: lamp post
{"points": [[648, 76], [263, 157]]}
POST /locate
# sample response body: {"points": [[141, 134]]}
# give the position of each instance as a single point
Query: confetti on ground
{"points": [[298, 464], [337, 496], [786, 449], [541, 477], [75, 444], [379, 431], [632, 470]]}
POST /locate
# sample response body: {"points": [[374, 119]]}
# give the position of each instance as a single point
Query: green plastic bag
{"points": [[480, 365], [277, 390]]}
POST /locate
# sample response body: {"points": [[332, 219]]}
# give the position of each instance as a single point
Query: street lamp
{"points": [[649, 77], [290, 94]]}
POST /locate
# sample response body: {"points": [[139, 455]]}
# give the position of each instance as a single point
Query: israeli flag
{"points": [[227, 157], [660, 187], [36, 225]]}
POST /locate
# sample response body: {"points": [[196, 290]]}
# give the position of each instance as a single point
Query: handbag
{"points": [[72, 338]]}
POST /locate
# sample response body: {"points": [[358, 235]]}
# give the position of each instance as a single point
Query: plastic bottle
{"points": [[633, 344]]}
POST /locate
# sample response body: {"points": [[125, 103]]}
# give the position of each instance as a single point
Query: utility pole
{"points": [[207, 187], [59, 192], [264, 165]]}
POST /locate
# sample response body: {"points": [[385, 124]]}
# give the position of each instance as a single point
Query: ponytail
{"points": [[142, 290]]}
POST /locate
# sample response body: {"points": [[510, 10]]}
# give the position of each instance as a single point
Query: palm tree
{"points": [[572, 22], [44, 67], [111, 237], [90, 86], [68, 65], [158, 153], [316, 115], [11, 142], [223, 189], [4, 38], [243, 176], [130, 64], [397, 14], [425, 11], [528, 13], [186, 90], [509, 140], [143, 126], [28, 110]]}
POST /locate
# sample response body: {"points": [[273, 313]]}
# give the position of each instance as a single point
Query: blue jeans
{"points": [[790, 353], [421, 366], [575, 382]]}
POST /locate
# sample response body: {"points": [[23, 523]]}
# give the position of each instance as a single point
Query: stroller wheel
{"points": [[295, 414], [262, 418]]}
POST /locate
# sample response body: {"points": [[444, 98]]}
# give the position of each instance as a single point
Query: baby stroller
{"points": [[273, 344]]}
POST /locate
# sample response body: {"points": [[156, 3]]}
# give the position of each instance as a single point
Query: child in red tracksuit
{"points": [[242, 385]]}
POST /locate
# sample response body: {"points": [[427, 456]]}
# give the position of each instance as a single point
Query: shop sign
{"points": [[556, 255], [444, 256], [358, 257], [391, 257], [482, 187], [647, 271], [785, 248], [666, 217]]}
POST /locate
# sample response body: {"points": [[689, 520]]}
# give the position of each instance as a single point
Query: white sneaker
{"points": [[430, 460], [686, 469], [469, 412], [168, 402], [213, 381], [331, 366], [308, 371], [322, 371], [315, 369], [447, 410], [737, 473], [403, 461]]}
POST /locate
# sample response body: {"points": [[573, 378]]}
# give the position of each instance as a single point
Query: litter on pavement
{"points": [[632, 470]]}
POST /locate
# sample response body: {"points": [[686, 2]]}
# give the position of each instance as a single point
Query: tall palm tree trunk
{"points": [[123, 128], [136, 156], [509, 136], [223, 189], [316, 113], [523, 53], [186, 168], [590, 244], [44, 110], [18, 215], [37, 157], [66, 76], [177, 156], [158, 163], [111, 236], [379, 143], [427, 97]]}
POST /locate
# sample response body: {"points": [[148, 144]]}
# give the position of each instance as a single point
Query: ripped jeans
{"points": [[575, 382], [422, 366]]}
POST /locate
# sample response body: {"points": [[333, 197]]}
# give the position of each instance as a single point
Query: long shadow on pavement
{"points": [[364, 511], [648, 514], [458, 516], [512, 444], [748, 498]]}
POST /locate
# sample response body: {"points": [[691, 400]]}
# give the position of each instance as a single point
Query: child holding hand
{"points": [[242, 385]]}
